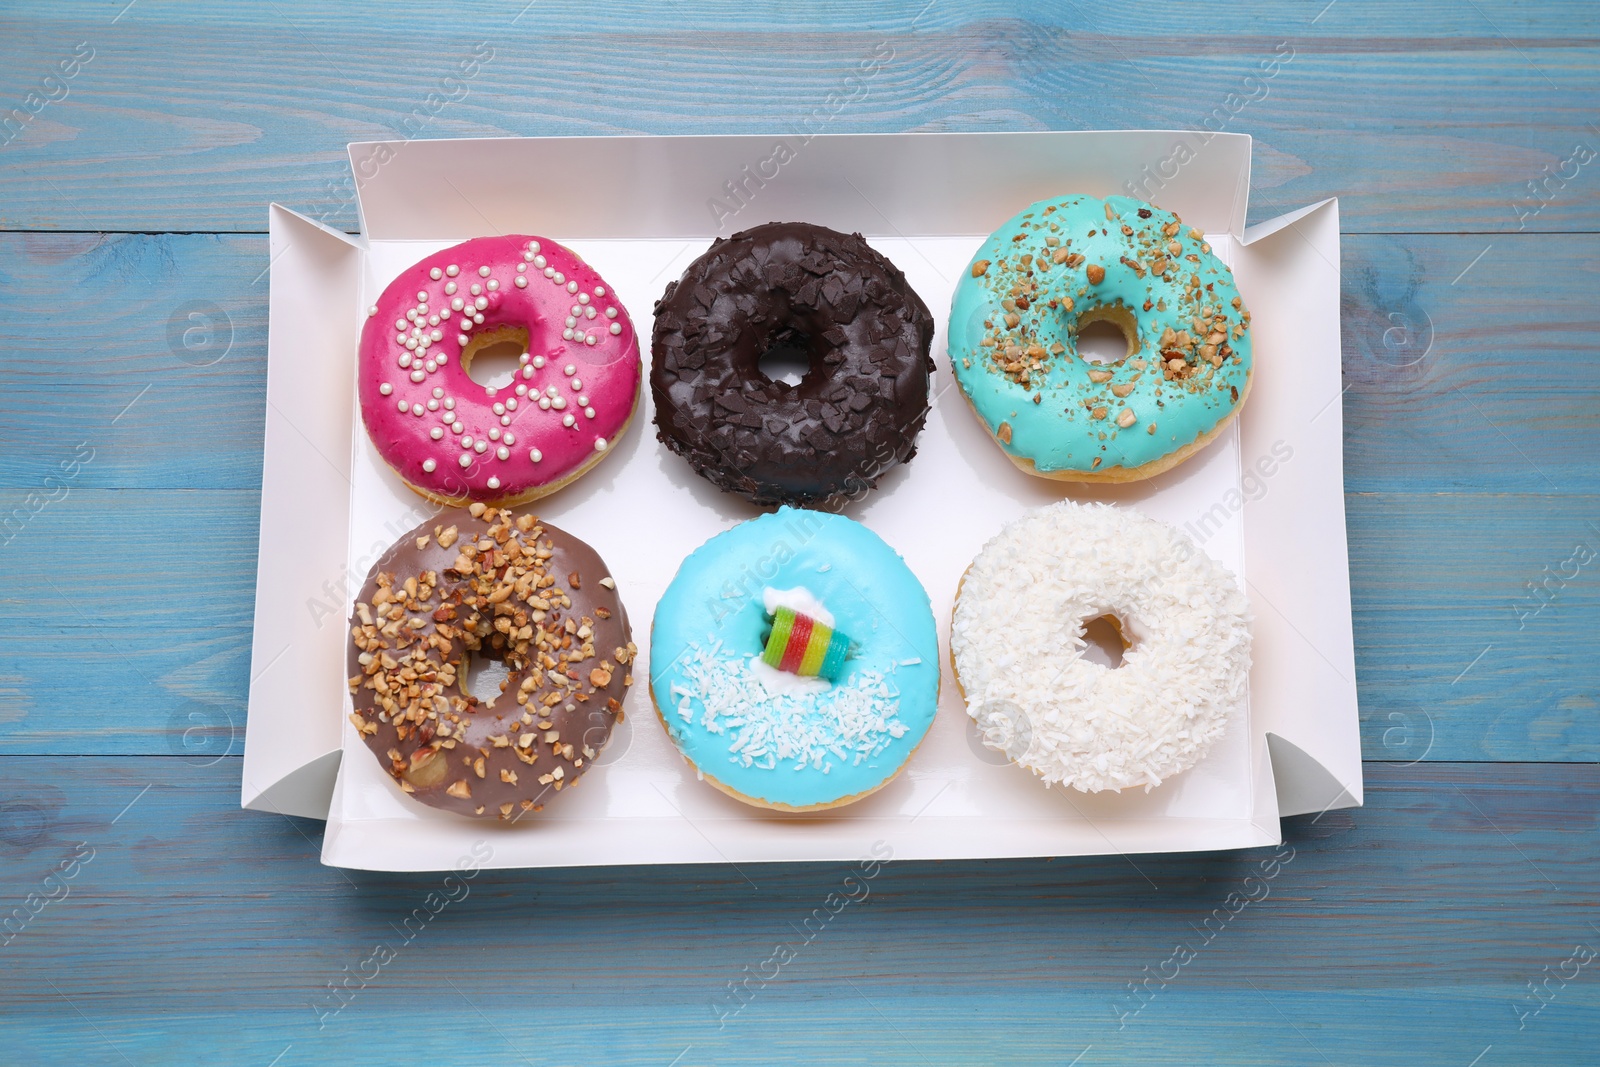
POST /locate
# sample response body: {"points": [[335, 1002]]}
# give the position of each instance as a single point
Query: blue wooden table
{"points": [[146, 920]]}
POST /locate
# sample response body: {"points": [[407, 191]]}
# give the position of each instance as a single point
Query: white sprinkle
{"points": [[483, 272], [502, 452], [494, 433], [449, 288], [535, 455], [567, 420], [544, 403], [570, 369], [583, 401], [539, 261], [480, 303], [476, 290], [478, 319], [538, 361], [457, 304], [599, 444], [430, 366], [404, 407], [466, 459], [533, 246], [616, 328], [493, 285], [588, 312], [371, 311], [450, 402], [528, 256], [560, 277], [549, 272], [494, 483], [461, 339], [583, 298], [522, 390], [588, 413], [611, 313], [588, 339], [422, 297], [577, 385], [559, 403], [522, 283], [436, 433], [599, 290], [436, 274], [481, 446], [466, 442], [511, 403], [385, 389], [418, 375], [510, 438], [452, 270], [527, 372], [437, 392], [505, 420], [433, 405], [429, 465], [572, 287], [571, 322], [416, 409]]}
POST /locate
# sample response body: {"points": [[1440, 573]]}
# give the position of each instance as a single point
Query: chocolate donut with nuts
{"points": [[479, 584]]}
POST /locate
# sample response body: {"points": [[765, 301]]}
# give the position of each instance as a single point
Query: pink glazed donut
{"points": [[456, 441]]}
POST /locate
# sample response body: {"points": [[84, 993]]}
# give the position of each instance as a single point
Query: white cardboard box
{"points": [[1266, 499]]}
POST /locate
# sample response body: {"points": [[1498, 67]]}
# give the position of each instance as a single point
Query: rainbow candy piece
{"points": [[801, 645]]}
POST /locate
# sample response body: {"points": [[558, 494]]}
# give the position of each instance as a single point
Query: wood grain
{"points": [[196, 926], [1432, 120]]}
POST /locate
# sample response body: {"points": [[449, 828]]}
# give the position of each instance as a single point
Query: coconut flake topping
{"points": [[1017, 639]]}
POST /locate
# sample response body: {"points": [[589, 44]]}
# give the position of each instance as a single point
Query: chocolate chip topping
{"points": [[857, 411], [479, 581]]}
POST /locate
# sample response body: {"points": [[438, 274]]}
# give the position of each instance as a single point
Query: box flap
{"points": [[701, 186], [1303, 684], [297, 654]]}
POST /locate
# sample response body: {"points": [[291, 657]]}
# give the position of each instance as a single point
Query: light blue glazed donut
{"points": [[773, 739], [1062, 264]]}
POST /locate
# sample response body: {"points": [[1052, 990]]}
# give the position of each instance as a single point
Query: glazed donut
{"points": [[1062, 264], [479, 584], [858, 409], [456, 441], [1017, 641], [746, 696]]}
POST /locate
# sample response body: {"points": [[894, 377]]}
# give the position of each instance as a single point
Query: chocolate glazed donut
{"points": [[786, 285], [483, 582]]}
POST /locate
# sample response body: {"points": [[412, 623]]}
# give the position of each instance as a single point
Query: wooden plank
{"points": [[1401, 933], [1461, 373], [141, 644], [1419, 122]]}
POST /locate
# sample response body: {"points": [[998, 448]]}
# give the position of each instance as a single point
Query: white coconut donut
{"points": [[1017, 643]]}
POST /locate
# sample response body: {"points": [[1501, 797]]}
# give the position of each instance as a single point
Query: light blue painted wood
{"points": [[1402, 933], [1425, 118]]}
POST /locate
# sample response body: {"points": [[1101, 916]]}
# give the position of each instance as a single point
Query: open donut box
{"points": [[1266, 498]]}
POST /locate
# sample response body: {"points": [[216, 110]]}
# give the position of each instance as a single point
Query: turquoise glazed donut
{"points": [[1074, 260], [777, 739]]}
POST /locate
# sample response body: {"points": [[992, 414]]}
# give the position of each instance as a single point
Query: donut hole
{"points": [[492, 357], [483, 675], [1104, 641], [1106, 334], [786, 357]]}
